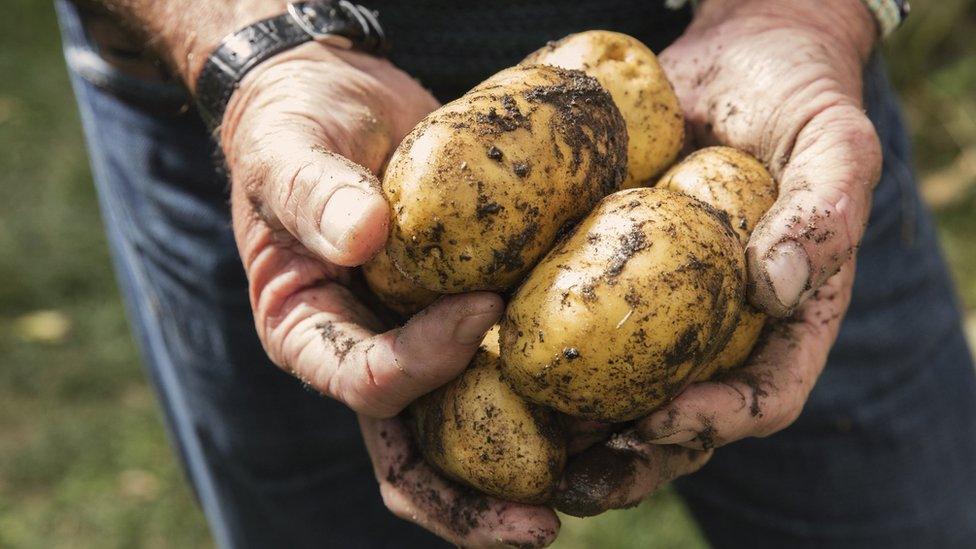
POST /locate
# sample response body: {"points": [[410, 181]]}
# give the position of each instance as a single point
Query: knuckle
{"points": [[857, 142], [393, 501], [367, 399], [272, 339], [692, 460], [367, 402], [863, 137], [291, 187], [251, 175], [782, 418]]}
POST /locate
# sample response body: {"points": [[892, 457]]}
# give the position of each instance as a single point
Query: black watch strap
{"points": [[335, 22]]}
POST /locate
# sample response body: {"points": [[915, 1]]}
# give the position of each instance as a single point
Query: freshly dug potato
{"points": [[729, 180], [733, 182], [629, 70], [747, 331], [393, 289], [477, 431], [620, 315], [482, 187]]}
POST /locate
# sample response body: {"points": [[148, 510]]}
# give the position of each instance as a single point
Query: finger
{"points": [[312, 326], [620, 473], [768, 394], [817, 222], [583, 433], [414, 492], [331, 205], [383, 374], [297, 172]]}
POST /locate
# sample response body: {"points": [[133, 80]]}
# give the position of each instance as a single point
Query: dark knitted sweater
{"points": [[451, 45]]}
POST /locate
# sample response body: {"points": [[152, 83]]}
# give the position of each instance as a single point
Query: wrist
{"points": [[848, 24], [272, 83], [192, 37]]}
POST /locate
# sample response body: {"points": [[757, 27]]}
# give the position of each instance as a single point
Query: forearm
{"points": [[846, 23], [184, 32]]}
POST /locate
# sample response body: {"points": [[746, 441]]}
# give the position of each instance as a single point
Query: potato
{"points": [[393, 289], [748, 328], [737, 184], [729, 180], [482, 187], [620, 315], [477, 431], [630, 72]]}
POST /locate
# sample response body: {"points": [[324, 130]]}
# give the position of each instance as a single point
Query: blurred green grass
{"points": [[84, 460]]}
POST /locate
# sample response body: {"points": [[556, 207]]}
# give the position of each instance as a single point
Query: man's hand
{"points": [[303, 137], [460, 515], [781, 80], [619, 472]]}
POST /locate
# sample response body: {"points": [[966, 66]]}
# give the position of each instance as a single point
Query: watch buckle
{"points": [[297, 12]]}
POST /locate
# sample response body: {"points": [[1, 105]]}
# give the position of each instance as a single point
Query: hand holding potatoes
{"points": [[303, 137], [621, 315], [805, 121], [638, 308], [778, 89]]}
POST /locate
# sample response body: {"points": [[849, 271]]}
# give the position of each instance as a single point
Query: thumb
{"points": [[298, 182], [817, 222]]}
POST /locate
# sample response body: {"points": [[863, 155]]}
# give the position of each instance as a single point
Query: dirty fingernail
{"points": [[471, 329], [681, 437], [343, 213], [788, 271]]}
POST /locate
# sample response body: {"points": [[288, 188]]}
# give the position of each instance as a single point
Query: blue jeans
{"points": [[884, 453]]}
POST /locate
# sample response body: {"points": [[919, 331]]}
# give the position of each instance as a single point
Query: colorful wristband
{"points": [[888, 13]]}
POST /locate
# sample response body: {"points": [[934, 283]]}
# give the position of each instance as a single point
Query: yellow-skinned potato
{"points": [[727, 179], [482, 187], [629, 70], [621, 314], [747, 331], [477, 431], [733, 182], [393, 289]]}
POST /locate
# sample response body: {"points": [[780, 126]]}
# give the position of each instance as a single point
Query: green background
{"points": [[84, 460]]}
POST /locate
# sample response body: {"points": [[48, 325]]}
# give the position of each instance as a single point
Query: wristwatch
{"points": [[337, 23]]}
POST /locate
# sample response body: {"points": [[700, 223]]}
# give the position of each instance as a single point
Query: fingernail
{"points": [[673, 438], [471, 329], [788, 270], [342, 214]]}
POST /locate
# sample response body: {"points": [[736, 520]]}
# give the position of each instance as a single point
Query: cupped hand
{"points": [[303, 138], [781, 80], [413, 491]]}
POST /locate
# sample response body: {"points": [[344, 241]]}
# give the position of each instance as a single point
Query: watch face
{"points": [[338, 23]]}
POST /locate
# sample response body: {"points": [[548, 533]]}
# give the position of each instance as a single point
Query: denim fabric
{"points": [[883, 455]]}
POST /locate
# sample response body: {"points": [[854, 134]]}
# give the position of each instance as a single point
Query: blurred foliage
{"points": [[933, 63], [84, 460]]}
